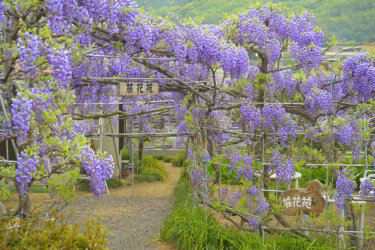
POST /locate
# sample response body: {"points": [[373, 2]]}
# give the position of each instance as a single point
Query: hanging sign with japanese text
{"points": [[297, 201], [139, 88]]}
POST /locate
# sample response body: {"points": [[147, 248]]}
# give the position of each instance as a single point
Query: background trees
{"points": [[347, 20]]}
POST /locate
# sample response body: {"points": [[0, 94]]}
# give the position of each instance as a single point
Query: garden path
{"points": [[133, 216]]}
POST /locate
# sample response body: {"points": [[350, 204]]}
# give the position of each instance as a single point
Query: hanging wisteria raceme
{"points": [[344, 187], [273, 115], [98, 169], [83, 127], [21, 118], [285, 172], [190, 155], [31, 48], [196, 177], [262, 207], [236, 158], [232, 201], [248, 170], [183, 127], [61, 62], [26, 166], [276, 159], [359, 74], [365, 188], [2, 16], [319, 101], [346, 135], [251, 116]]}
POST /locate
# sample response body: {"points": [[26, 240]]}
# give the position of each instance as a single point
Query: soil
{"points": [[133, 215]]}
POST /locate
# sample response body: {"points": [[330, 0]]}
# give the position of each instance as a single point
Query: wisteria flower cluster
{"points": [[344, 187], [236, 158], [268, 29], [2, 16], [286, 172], [21, 117], [196, 177], [365, 188], [98, 169], [26, 166]]}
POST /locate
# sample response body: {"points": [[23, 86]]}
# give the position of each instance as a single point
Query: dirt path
{"points": [[133, 216]]}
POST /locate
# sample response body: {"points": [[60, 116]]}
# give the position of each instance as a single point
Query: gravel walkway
{"points": [[133, 216], [132, 222]]}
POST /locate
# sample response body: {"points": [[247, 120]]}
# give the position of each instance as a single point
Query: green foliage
{"points": [[125, 154], [6, 174], [190, 226], [166, 158], [152, 170], [37, 233], [63, 184], [228, 176], [160, 157], [345, 19], [312, 173], [178, 160], [115, 183]]}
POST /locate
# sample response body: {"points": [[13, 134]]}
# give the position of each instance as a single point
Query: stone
{"points": [[300, 201], [315, 185]]}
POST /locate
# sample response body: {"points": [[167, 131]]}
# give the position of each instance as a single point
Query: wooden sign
{"points": [[298, 201], [139, 88]]}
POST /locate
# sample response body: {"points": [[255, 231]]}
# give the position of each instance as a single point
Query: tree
{"points": [[204, 69]]}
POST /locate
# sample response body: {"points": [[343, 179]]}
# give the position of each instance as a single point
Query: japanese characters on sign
{"points": [[303, 201], [297, 201], [139, 88]]}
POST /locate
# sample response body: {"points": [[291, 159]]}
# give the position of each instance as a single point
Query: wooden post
{"points": [[341, 229], [303, 219]]}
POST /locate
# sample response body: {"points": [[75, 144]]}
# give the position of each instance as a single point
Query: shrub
{"points": [[152, 169], [125, 154], [145, 177], [179, 159], [160, 157], [166, 158], [115, 183], [317, 172], [169, 159], [84, 185], [38, 233]]}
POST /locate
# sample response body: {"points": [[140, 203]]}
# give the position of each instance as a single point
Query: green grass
{"points": [[190, 227]]}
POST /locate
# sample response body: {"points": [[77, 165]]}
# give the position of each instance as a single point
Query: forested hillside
{"points": [[348, 20]]}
